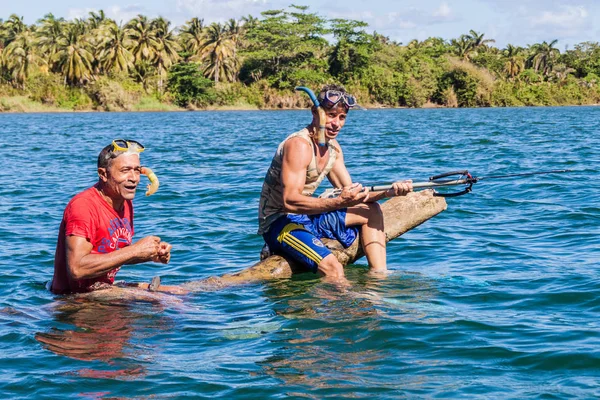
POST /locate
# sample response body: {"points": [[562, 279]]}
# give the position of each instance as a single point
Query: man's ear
{"points": [[103, 174]]}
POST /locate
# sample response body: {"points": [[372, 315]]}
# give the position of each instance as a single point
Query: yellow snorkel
{"points": [[320, 111], [153, 186]]}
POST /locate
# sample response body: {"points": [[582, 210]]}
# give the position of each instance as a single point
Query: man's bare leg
{"points": [[331, 267], [370, 219]]}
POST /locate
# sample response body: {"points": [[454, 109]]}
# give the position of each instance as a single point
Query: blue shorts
{"points": [[298, 236]]}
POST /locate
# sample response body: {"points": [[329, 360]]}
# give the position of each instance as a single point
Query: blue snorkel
{"points": [[320, 111]]}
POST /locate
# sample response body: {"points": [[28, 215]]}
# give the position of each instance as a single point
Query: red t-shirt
{"points": [[88, 215]]}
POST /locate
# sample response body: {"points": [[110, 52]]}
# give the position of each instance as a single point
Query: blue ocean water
{"points": [[497, 297]]}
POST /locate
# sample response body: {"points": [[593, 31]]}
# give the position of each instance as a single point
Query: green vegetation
{"points": [[146, 64], [189, 87]]}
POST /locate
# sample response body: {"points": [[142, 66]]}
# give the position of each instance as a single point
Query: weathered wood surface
{"points": [[128, 294], [401, 214]]}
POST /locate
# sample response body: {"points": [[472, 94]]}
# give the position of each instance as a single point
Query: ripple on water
{"points": [[497, 297]]}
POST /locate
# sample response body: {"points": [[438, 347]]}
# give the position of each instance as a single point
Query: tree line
{"points": [[97, 62]]}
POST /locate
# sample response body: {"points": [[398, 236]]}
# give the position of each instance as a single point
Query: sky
{"points": [[518, 22]]}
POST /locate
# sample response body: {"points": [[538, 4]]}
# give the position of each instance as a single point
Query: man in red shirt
{"points": [[99, 221]]}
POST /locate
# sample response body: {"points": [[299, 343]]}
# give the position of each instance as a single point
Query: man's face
{"points": [[336, 118], [123, 176]]}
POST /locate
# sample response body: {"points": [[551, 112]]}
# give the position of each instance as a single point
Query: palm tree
{"points": [[219, 53], [142, 71], [20, 57], [96, 24], [1, 40], [143, 39], [95, 20], [514, 64], [477, 40], [192, 35], [235, 30], [384, 40], [250, 22], [48, 34], [166, 49], [13, 26], [434, 46], [462, 46], [543, 56], [73, 57], [115, 55]]}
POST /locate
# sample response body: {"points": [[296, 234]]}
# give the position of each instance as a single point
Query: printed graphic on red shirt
{"points": [[120, 236], [119, 231]]}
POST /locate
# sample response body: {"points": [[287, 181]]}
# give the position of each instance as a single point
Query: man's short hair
{"points": [[106, 156]]}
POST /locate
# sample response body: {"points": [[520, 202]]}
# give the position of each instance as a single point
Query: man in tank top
{"points": [[292, 222], [96, 232]]}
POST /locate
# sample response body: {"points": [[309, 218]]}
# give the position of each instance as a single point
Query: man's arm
{"points": [[400, 188], [340, 177], [297, 154], [81, 264]]}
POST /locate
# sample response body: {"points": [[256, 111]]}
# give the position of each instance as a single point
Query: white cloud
{"points": [[395, 20], [443, 11], [406, 24], [74, 13], [364, 16], [568, 17], [124, 14], [412, 18], [220, 10], [400, 21], [568, 24]]}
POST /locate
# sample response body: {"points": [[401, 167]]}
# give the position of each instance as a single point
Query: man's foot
{"points": [[155, 284]]}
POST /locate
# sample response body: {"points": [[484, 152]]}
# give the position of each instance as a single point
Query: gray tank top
{"points": [[271, 197]]}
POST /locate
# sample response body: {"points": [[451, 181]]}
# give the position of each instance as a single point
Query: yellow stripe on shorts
{"points": [[300, 246], [286, 237]]}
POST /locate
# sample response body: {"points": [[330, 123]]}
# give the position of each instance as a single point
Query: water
{"points": [[497, 297]]}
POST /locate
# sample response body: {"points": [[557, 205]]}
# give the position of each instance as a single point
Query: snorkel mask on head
{"points": [[127, 146], [121, 146], [331, 98], [328, 99], [116, 148]]}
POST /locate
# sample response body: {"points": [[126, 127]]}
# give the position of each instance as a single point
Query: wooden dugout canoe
{"points": [[401, 214]]}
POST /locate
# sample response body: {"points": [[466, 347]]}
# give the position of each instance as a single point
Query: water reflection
{"points": [[94, 331], [336, 336]]}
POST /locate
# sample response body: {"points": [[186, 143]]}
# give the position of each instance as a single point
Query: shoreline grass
{"points": [[23, 104]]}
